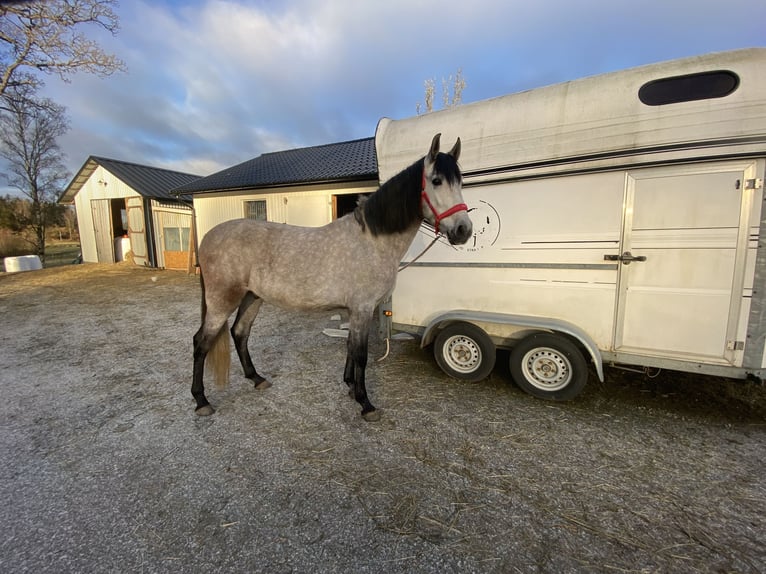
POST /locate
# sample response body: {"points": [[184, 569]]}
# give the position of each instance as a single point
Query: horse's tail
{"points": [[218, 358], [203, 305]]}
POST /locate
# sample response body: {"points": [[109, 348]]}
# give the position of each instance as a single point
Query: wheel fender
{"points": [[543, 323]]}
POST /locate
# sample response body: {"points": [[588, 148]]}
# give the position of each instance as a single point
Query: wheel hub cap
{"points": [[463, 354], [547, 369]]}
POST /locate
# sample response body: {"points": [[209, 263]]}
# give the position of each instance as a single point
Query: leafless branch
{"points": [[48, 36]]}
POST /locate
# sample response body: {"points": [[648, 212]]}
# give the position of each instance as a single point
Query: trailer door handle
{"points": [[626, 258]]}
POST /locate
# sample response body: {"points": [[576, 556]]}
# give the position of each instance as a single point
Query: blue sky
{"points": [[213, 83]]}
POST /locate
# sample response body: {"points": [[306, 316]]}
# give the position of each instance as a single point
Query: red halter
{"points": [[439, 216]]}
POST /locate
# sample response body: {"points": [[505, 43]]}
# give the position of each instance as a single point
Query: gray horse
{"points": [[350, 263]]}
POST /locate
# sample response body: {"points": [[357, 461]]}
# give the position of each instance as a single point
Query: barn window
{"points": [[256, 210], [688, 88], [176, 238]]}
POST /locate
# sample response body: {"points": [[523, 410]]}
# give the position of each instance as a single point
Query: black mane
{"points": [[395, 206]]}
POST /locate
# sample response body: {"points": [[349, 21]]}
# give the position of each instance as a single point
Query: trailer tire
{"points": [[465, 352], [549, 366]]}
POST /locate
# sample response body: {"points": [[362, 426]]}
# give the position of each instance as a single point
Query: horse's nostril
{"points": [[460, 234]]}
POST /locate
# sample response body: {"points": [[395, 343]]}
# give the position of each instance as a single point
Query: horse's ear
{"points": [[434, 148], [455, 151]]}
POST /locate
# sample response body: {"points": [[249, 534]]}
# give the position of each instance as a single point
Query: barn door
{"points": [[102, 230], [682, 261], [137, 229]]}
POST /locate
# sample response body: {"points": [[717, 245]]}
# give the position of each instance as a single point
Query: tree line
{"points": [[17, 231]]}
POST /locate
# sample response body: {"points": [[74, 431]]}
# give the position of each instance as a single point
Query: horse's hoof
{"points": [[263, 385], [371, 416], [205, 411]]}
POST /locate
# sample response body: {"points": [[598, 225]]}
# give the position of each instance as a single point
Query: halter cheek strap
{"points": [[439, 216]]}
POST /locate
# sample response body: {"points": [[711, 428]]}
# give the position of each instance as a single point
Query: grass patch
{"points": [[61, 254]]}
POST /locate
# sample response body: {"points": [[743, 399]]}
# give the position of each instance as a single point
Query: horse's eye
{"points": [[436, 181]]}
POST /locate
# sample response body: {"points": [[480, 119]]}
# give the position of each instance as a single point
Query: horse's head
{"points": [[442, 197]]}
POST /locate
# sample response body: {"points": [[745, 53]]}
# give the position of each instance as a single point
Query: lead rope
{"points": [[388, 349], [434, 240]]}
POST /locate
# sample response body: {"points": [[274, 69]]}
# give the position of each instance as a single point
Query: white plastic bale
{"points": [[22, 263]]}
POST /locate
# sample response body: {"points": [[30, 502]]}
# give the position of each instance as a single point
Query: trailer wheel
{"points": [[465, 352], [549, 366]]}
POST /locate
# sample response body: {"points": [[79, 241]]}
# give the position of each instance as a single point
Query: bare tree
{"points": [[44, 37], [449, 100], [28, 142], [430, 87], [457, 82], [47, 36]]}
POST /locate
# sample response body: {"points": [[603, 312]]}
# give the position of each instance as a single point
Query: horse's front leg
{"points": [[356, 362]]}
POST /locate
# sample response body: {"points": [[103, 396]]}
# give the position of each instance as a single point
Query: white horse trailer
{"points": [[617, 219]]}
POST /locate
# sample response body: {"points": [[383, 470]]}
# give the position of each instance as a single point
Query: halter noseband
{"points": [[439, 216]]}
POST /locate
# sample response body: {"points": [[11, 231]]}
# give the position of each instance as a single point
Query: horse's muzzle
{"points": [[460, 232]]}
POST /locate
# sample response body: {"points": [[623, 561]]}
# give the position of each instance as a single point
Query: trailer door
{"points": [[682, 261]]}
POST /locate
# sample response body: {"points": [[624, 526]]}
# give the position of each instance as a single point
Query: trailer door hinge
{"points": [[735, 345], [754, 183]]}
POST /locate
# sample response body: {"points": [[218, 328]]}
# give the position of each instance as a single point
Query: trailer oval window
{"points": [[688, 88]]}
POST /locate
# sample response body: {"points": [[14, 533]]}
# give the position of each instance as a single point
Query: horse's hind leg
{"points": [[211, 335], [356, 362], [240, 332]]}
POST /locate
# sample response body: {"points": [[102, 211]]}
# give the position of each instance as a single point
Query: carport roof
{"points": [[147, 181], [344, 161]]}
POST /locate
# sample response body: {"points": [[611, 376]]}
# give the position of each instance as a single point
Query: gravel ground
{"points": [[105, 468]]}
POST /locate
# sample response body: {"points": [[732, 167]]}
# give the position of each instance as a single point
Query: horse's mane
{"points": [[395, 206]]}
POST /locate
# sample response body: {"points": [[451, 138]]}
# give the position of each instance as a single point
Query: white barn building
{"points": [[125, 207]]}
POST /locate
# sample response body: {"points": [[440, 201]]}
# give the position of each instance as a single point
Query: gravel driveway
{"points": [[105, 468]]}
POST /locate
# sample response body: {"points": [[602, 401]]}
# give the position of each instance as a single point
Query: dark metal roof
{"points": [[345, 161], [147, 181]]}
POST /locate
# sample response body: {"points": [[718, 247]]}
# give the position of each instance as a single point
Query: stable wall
{"points": [[310, 206]]}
